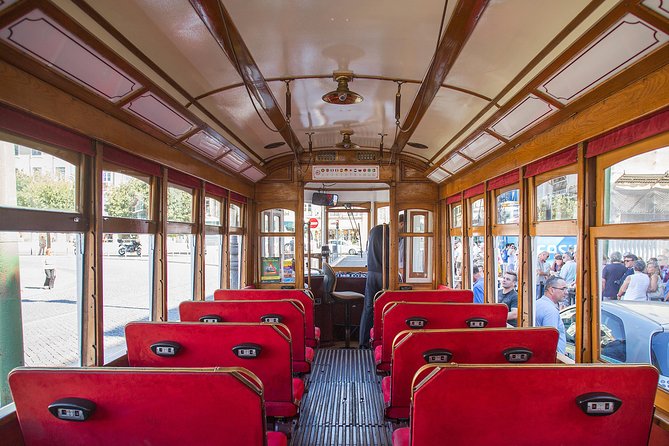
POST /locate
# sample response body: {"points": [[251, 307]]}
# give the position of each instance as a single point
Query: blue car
{"points": [[631, 332]]}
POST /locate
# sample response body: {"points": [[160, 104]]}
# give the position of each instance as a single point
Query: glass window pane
{"points": [[346, 236], [456, 264], [180, 271], [476, 261], [236, 250], [637, 189], [556, 199], [125, 196], [41, 298], [277, 259], [548, 259], [478, 213], [419, 251], [277, 220], [634, 311], [506, 257], [127, 266], [179, 204], [313, 236], [212, 211], [212, 265], [41, 181], [508, 207], [456, 221], [235, 216], [383, 215]]}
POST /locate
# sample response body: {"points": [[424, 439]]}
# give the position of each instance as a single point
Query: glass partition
{"points": [[556, 198]]}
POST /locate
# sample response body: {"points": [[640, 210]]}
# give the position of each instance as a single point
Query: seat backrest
{"points": [[217, 345], [329, 282], [290, 313], [532, 404], [139, 406], [400, 316], [412, 349], [458, 296], [256, 294]]}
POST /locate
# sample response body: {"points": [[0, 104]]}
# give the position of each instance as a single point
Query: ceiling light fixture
{"points": [[274, 145], [417, 145], [342, 95], [346, 142]]}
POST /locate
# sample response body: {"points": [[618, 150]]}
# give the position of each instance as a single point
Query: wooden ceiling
{"points": [[462, 79]]}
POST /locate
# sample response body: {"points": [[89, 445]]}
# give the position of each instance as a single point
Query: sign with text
{"points": [[345, 172]]}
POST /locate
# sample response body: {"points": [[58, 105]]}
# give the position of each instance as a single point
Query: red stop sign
{"points": [[313, 223]]}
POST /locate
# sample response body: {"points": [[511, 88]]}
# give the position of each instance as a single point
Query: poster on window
{"points": [[270, 272], [289, 270]]}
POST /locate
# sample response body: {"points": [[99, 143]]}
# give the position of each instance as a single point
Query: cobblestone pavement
{"points": [[51, 317]]}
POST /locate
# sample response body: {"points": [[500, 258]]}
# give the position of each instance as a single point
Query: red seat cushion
{"points": [[277, 439], [378, 354], [385, 388], [298, 390], [371, 333], [317, 333], [309, 354], [401, 436]]}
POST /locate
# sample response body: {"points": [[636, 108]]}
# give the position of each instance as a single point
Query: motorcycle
{"points": [[130, 246]]}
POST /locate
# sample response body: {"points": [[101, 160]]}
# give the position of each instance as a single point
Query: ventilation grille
{"points": [[326, 156], [367, 156]]}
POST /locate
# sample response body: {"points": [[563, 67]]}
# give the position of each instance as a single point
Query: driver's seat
{"points": [[347, 297]]}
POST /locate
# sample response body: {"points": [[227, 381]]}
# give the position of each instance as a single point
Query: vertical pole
{"points": [[159, 307], [526, 272], [490, 273], [11, 327], [200, 244]]}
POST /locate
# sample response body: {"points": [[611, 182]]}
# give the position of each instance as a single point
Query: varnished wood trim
{"points": [[159, 298], [464, 19], [525, 268]]}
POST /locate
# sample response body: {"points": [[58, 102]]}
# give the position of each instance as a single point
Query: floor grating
{"points": [[344, 405]]}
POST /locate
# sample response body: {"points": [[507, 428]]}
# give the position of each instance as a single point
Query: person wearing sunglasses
{"points": [[547, 312]]}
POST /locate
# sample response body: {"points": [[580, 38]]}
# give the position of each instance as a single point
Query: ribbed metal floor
{"points": [[344, 405]]}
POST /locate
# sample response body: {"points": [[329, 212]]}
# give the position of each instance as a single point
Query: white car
{"points": [[343, 247]]}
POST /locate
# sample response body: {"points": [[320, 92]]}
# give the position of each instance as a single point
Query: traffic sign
{"points": [[313, 223]]}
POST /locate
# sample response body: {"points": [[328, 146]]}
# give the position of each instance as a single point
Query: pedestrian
{"points": [[42, 245], [547, 313], [49, 270]]}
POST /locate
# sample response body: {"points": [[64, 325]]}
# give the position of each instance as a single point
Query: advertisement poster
{"points": [[270, 269], [289, 270]]}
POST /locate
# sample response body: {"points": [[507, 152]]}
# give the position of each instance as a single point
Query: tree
{"points": [[44, 192], [179, 205], [128, 200]]}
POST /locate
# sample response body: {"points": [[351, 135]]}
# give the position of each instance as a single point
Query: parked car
{"points": [[343, 247], [631, 332]]}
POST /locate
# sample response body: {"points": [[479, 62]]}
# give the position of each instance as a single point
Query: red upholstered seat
{"points": [[212, 345], [276, 439], [298, 390], [309, 354], [378, 354], [290, 311], [531, 404], [312, 335], [402, 437], [140, 406], [466, 347], [385, 388], [456, 296], [436, 315]]}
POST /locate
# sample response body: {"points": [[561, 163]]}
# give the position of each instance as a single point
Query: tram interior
{"points": [[182, 170]]}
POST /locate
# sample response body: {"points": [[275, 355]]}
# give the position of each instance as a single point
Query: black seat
{"points": [[346, 297]]}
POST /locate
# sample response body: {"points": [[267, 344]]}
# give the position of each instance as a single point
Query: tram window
{"points": [[313, 237], [637, 189], [478, 213], [179, 204], [125, 196], [235, 216], [277, 259], [45, 182], [180, 271], [506, 257], [508, 207], [277, 220], [456, 265], [545, 263], [127, 265], [476, 263], [212, 264], [556, 198], [456, 220], [383, 215], [212, 211], [41, 299], [236, 251]]}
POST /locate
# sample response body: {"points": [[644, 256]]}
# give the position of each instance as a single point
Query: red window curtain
{"points": [[22, 124], [182, 179], [636, 131], [473, 191], [238, 198], [134, 162], [503, 180], [215, 190], [454, 198], [552, 162]]}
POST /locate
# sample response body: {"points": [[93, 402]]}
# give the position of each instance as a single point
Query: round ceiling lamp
{"points": [[342, 95], [274, 145], [346, 141]]}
